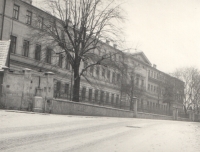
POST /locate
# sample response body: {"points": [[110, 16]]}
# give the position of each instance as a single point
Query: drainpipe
{"points": [[2, 23]]}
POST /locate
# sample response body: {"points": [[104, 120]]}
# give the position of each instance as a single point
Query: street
{"points": [[31, 132]]}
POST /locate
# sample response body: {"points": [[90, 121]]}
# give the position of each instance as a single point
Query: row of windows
{"points": [[152, 88], [99, 96], [16, 11], [155, 75], [62, 90], [26, 46], [38, 52], [104, 73], [155, 89], [138, 82], [40, 24], [109, 55], [156, 105]]}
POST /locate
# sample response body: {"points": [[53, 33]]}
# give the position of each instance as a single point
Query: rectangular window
{"points": [[67, 63], [67, 89], [137, 81], [60, 62], [90, 95], [96, 95], [13, 44], [91, 70], [142, 83], [83, 93], [40, 22], [151, 87], [37, 52], [108, 74], [113, 78], [28, 17], [117, 99], [107, 97], [148, 86], [58, 89], [151, 74], [103, 72], [48, 55], [102, 97], [97, 71], [16, 12], [25, 48], [112, 99], [118, 77]]}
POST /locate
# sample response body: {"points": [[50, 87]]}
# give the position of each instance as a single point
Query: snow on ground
{"points": [[30, 132]]}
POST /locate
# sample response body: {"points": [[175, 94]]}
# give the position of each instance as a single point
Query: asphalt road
{"points": [[29, 132]]}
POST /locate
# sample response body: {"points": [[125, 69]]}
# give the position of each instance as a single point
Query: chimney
{"points": [[28, 1], [107, 42], [115, 46], [154, 66]]}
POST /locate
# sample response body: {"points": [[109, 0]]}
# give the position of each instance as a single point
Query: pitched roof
{"points": [[146, 60]]}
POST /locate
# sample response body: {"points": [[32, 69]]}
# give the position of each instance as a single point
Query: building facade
{"points": [[109, 85]]}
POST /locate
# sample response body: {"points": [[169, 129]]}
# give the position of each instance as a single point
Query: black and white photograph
{"points": [[99, 76]]}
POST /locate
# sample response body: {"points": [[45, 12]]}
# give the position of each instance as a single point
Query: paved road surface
{"points": [[29, 132]]}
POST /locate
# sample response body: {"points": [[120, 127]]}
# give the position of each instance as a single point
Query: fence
{"points": [[122, 105]]}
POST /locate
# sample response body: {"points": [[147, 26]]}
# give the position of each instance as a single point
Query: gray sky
{"points": [[167, 31]]}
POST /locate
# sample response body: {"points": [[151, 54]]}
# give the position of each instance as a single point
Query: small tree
{"points": [[191, 77], [77, 28], [129, 85], [168, 95]]}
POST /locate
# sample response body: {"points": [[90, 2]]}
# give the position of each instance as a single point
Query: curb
{"points": [[28, 112]]}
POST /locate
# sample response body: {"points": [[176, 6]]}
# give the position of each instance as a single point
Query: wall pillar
{"points": [[191, 115], [135, 106], [2, 87], [48, 105], [175, 113], [26, 101]]}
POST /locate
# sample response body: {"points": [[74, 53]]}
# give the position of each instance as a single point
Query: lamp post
{"points": [[134, 99]]}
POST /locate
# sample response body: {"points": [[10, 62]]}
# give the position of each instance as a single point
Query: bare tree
{"points": [[169, 93], [130, 86], [191, 77], [77, 28]]}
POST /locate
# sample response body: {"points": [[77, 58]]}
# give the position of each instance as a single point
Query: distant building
{"points": [[106, 83]]}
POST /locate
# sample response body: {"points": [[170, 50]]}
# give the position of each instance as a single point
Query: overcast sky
{"points": [[167, 31]]}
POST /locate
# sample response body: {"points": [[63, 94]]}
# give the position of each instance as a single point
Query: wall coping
{"points": [[88, 104], [154, 114]]}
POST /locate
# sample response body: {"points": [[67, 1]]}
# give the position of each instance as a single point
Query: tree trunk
{"points": [[185, 109], [76, 87]]}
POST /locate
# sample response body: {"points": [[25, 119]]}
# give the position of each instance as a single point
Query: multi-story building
{"points": [[102, 84]]}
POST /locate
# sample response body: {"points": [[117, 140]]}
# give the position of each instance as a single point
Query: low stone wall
{"points": [[197, 118], [66, 107], [183, 119], [153, 116]]}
